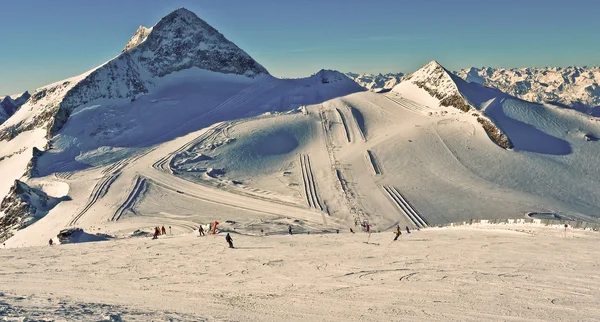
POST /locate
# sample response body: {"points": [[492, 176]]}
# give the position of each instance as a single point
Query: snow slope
{"points": [[519, 273]]}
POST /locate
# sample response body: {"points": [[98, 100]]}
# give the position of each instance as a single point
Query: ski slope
{"points": [[516, 273]]}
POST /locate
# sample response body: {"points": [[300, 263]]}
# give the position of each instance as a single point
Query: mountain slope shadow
{"points": [[526, 137]]}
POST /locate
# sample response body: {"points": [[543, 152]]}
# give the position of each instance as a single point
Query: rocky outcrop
{"points": [[495, 133], [23, 206], [139, 37], [31, 171]]}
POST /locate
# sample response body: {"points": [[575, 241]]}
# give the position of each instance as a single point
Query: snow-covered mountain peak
{"points": [[139, 37], [182, 40], [436, 80], [178, 41]]}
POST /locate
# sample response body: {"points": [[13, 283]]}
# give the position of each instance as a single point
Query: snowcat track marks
{"points": [[356, 114], [405, 207], [162, 162], [310, 189], [412, 211], [138, 187], [99, 191], [345, 124], [372, 160], [409, 105]]}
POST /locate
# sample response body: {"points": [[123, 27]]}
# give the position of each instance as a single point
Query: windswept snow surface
{"points": [[517, 273]]}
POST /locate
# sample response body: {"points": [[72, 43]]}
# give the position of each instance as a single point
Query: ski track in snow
{"points": [[310, 188], [409, 105], [138, 187], [407, 209], [100, 189]]}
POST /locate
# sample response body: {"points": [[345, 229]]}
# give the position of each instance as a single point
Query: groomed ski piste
{"points": [[493, 273], [259, 154]]}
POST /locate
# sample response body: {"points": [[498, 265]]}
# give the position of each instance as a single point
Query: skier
{"points": [[163, 230], [156, 233], [229, 240], [201, 231], [407, 230], [50, 242], [398, 233], [290, 229]]}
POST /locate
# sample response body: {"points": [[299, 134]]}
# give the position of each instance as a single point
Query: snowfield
{"points": [[521, 273]]}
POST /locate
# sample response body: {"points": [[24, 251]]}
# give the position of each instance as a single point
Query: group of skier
{"points": [[160, 231]]}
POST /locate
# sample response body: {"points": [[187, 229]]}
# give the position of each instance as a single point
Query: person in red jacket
{"points": [[163, 230]]}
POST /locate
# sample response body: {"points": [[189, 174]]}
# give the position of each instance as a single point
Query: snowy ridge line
{"points": [[100, 189], [310, 189], [343, 120], [372, 161], [138, 187], [409, 105], [405, 207]]}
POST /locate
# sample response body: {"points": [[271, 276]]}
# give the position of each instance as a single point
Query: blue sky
{"points": [[46, 41]]}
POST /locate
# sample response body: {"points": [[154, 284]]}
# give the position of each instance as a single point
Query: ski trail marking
{"points": [[138, 187], [310, 189], [405, 208], [99, 191]]}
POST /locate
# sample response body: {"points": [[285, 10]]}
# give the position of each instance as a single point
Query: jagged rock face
{"points": [[435, 79], [140, 36], [377, 83], [182, 40], [21, 207], [441, 84], [178, 41], [570, 86]]}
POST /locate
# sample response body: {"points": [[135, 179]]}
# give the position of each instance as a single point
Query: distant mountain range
{"points": [[575, 87]]}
